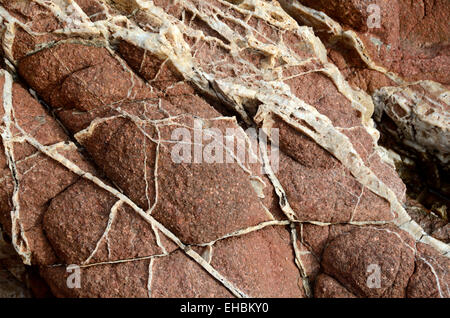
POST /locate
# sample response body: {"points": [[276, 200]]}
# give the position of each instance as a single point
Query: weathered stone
{"points": [[141, 222], [327, 287], [396, 51], [351, 256], [266, 253], [430, 222], [388, 32], [430, 278], [418, 118]]}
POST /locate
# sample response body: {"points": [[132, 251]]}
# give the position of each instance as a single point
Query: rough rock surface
{"points": [[16, 279], [432, 224], [93, 93], [396, 51], [417, 117], [407, 38]]}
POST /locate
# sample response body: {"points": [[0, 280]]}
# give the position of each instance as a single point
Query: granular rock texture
{"points": [[98, 96], [409, 39], [396, 51]]}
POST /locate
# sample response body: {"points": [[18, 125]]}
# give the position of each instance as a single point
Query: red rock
{"points": [[139, 223], [266, 253], [327, 287], [184, 279], [353, 257], [430, 278], [415, 51]]}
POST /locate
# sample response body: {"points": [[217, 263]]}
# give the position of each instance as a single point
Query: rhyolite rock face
{"points": [[92, 93], [396, 51]]}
